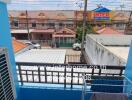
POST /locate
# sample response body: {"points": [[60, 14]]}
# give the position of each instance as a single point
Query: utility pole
{"points": [[27, 24], [128, 23], [84, 29]]}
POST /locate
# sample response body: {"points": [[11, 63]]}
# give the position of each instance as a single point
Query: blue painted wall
{"points": [[50, 94], [6, 41], [128, 71]]}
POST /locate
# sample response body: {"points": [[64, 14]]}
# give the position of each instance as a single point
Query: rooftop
{"points": [[121, 52], [42, 56], [108, 31], [18, 46], [113, 49]]}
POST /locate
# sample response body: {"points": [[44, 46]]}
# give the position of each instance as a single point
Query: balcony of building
{"points": [[40, 81]]}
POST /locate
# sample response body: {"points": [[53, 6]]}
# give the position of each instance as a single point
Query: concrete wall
{"points": [[98, 54]]}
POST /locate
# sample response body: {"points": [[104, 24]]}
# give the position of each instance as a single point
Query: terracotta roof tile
{"points": [[67, 30], [49, 14], [120, 17], [17, 45], [108, 31]]}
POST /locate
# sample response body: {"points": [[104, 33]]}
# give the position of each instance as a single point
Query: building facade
{"points": [[117, 20], [41, 25]]}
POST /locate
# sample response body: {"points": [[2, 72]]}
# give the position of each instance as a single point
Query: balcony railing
{"points": [[119, 86], [66, 74]]}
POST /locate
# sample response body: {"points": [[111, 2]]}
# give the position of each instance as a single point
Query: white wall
{"points": [[100, 55]]}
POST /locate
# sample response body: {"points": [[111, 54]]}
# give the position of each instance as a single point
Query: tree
{"points": [[89, 30]]}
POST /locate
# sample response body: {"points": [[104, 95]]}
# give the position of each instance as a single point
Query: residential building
{"points": [[117, 20], [41, 25]]}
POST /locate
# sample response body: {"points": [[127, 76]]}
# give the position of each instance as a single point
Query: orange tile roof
{"points": [[108, 31], [120, 17], [17, 45], [65, 32], [47, 14]]}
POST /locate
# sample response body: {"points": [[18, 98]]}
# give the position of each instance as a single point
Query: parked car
{"points": [[77, 46], [35, 45]]}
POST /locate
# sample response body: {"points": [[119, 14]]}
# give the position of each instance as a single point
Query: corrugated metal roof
{"points": [[42, 56]]}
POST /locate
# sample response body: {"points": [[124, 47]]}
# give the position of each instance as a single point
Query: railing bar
{"points": [[52, 76], [72, 77], [78, 78], [39, 74], [21, 79], [45, 74], [58, 78], [26, 76], [65, 77], [32, 76]]}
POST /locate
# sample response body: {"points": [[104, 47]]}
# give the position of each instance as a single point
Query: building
{"points": [[117, 19], [107, 49], [41, 25]]}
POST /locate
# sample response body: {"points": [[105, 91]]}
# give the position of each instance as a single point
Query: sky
{"points": [[68, 4]]}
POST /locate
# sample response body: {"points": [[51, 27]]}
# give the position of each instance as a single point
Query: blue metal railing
{"points": [[105, 84]]}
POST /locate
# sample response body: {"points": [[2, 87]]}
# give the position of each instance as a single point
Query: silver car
{"points": [[77, 46]]}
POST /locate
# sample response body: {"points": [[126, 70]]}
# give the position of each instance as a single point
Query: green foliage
{"points": [[89, 30]]}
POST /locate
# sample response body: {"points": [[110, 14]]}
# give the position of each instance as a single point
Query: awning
{"points": [[64, 36], [43, 31], [20, 31]]}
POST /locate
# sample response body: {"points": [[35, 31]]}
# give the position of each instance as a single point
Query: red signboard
{"points": [[101, 14]]}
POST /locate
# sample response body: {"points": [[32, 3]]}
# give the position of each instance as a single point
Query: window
{"points": [[42, 24], [60, 24], [51, 24], [16, 23], [120, 26], [69, 25], [33, 24]]}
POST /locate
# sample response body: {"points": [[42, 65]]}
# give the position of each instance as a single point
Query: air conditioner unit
{"points": [[7, 89]]}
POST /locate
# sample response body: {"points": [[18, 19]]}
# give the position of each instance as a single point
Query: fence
{"points": [[72, 59], [117, 86], [66, 74]]}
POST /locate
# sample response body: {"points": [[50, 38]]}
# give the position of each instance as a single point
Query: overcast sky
{"points": [[68, 4]]}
